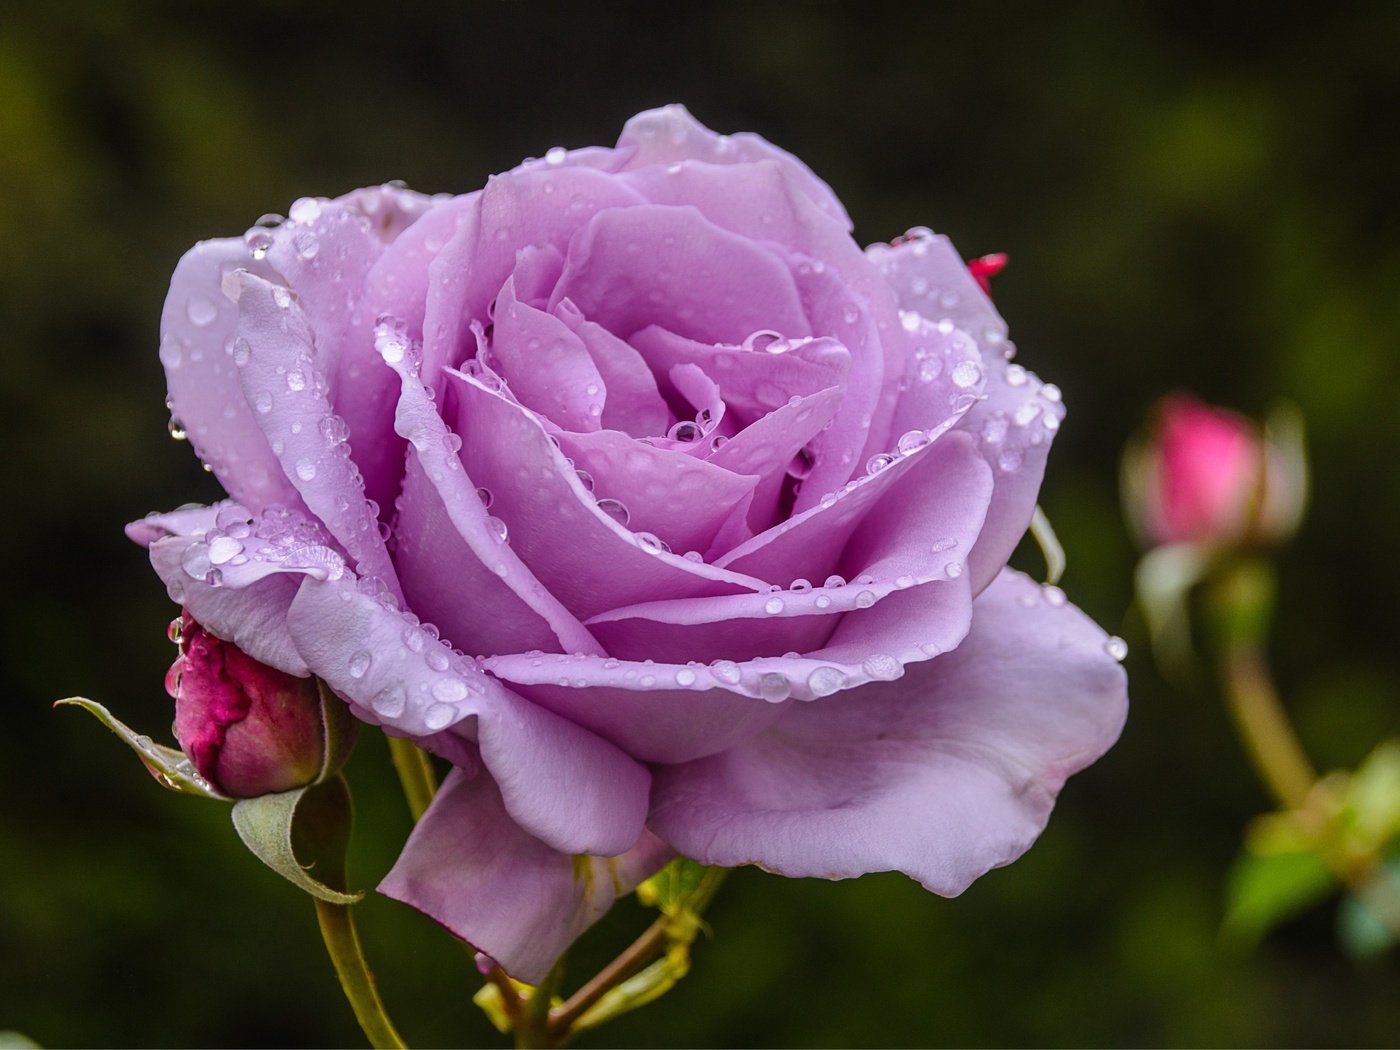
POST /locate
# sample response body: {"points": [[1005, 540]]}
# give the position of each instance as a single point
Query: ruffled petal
{"points": [[634, 405], [944, 774], [546, 364], [470, 867], [560, 782], [199, 351], [555, 525], [670, 266]]}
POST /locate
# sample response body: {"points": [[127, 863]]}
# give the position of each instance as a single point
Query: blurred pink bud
{"points": [[1212, 477], [248, 728], [987, 267]]}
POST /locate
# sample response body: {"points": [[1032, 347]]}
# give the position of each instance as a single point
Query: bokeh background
{"points": [[1190, 198]]}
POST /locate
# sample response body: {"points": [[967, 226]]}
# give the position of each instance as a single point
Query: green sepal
{"points": [[340, 729], [295, 831], [671, 888], [1050, 548], [169, 766]]}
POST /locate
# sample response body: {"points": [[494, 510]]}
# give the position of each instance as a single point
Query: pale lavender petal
{"points": [[1015, 424], [658, 138], [187, 521], [289, 395], [199, 351], [471, 868], [944, 774], [698, 280], [930, 278], [555, 525], [677, 497], [546, 364], [560, 782], [634, 406], [457, 569]]}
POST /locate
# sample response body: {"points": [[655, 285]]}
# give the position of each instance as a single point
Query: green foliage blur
{"points": [[1190, 196]]}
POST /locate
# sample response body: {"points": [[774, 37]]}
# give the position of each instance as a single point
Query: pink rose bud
{"points": [[987, 267], [1207, 475], [248, 728]]}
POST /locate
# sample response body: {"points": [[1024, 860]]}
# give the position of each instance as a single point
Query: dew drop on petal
{"points": [[865, 599], [439, 716], [726, 671], [911, 441], [774, 687], [953, 570], [616, 510], [1116, 648], [773, 606], [825, 680], [878, 462], [201, 311], [685, 677], [436, 658], [835, 580], [498, 529], [966, 374], [359, 664], [450, 690], [390, 701], [882, 667], [800, 586]]}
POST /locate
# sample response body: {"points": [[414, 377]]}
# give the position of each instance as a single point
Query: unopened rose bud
{"points": [[248, 728], [1212, 477]]}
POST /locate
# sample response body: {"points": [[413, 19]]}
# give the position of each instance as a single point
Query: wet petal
{"points": [[560, 782], [471, 868], [199, 351], [633, 406], [944, 774]]}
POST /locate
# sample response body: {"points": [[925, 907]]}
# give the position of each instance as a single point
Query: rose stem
{"points": [[632, 959], [343, 946], [532, 1027], [1268, 736], [416, 775]]}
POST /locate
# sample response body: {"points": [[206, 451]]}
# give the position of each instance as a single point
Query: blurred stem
{"points": [[343, 945], [652, 943], [1241, 601], [532, 1028], [416, 774]]}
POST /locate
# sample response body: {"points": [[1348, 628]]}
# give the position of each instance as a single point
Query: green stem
{"points": [[416, 774], [343, 945], [532, 1028], [653, 941], [1263, 725]]}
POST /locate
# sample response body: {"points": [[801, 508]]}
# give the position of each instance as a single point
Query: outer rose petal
{"points": [[471, 868], [943, 775]]}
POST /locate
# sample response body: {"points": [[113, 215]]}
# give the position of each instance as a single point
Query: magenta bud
{"points": [[248, 728], [1212, 477]]}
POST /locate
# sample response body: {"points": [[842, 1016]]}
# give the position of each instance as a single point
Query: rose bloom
{"points": [[1206, 475], [633, 487]]}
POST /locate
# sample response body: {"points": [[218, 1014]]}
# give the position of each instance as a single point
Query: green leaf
{"points": [[170, 767], [1264, 889], [294, 831]]}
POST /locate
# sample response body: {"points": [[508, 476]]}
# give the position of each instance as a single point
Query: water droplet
{"points": [[726, 671], [909, 320], [224, 549], [201, 311], [450, 690], [953, 570], [334, 430], [994, 429], [825, 680], [437, 659], [306, 470], [214, 578], [1050, 392], [1015, 375], [865, 599], [686, 431], [359, 664], [774, 687], [439, 716], [800, 586], [282, 297], [878, 462], [773, 606], [486, 497], [911, 441], [1050, 422], [170, 353], [307, 245], [176, 629], [257, 241], [904, 582], [498, 529], [177, 429], [556, 155], [413, 638], [296, 380], [966, 374], [1053, 595], [306, 210], [835, 580], [241, 351], [947, 543], [585, 479], [685, 677], [390, 701], [652, 544], [882, 667], [616, 510], [1009, 460], [1116, 648]]}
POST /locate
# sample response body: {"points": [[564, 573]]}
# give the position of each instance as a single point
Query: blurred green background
{"points": [[1190, 197]]}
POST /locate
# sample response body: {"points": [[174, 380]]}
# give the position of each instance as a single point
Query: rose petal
{"points": [[468, 866], [561, 783], [656, 139], [456, 570], [548, 367], [288, 392], [634, 406], [198, 348], [677, 497], [698, 280], [592, 562], [943, 775]]}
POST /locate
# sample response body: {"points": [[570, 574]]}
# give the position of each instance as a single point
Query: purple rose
{"points": [[632, 486]]}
